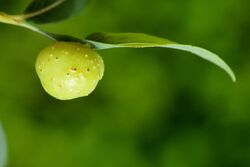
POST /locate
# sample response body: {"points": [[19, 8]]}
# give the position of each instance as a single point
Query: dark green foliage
{"points": [[59, 13]]}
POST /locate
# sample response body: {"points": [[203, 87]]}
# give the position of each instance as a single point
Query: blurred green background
{"points": [[153, 108]]}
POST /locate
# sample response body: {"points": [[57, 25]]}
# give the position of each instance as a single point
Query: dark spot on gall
{"points": [[73, 69]]}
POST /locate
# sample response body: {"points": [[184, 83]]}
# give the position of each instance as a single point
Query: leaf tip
{"points": [[233, 77]]}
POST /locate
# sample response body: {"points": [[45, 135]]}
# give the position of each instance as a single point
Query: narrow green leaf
{"points": [[137, 40], [62, 9], [3, 148], [134, 40]]}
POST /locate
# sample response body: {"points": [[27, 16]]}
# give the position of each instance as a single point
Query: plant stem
{"points": [[41, 11], [10, 19], [20, 20]]}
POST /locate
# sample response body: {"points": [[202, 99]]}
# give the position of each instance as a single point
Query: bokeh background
{"points": [[154, 107]]}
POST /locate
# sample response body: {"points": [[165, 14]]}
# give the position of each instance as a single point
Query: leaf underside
{"points": [[137, 40], [63, 11]]}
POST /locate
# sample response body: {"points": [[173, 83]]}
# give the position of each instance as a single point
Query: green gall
{"points": [[69, 70]]}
